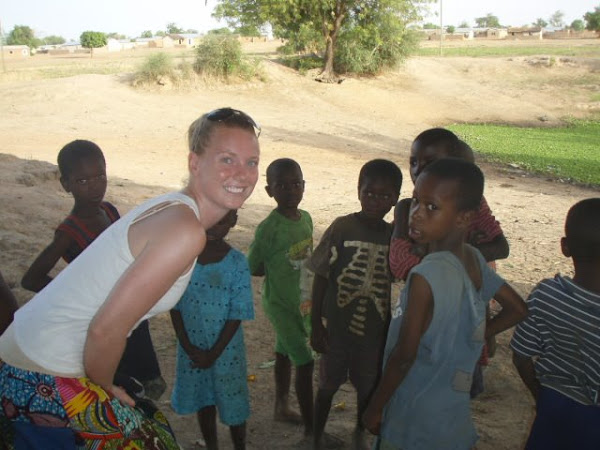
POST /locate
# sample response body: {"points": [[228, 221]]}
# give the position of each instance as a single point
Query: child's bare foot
{"points": [[283, 413]]}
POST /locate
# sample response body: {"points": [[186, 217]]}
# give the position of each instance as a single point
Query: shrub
{"points": [[155, 68], [221, 56], [372, 48]]}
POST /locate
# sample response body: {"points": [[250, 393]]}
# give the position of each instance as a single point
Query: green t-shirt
{"points": [[282, 246]]}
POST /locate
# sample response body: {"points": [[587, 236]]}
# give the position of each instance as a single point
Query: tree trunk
{"points": [[328, 75]]}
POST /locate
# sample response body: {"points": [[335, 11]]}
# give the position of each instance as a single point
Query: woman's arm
{"points": [[416, 320], [513, 311], [164, 246], [36, 278]]}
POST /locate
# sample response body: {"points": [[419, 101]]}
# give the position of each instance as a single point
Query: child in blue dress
{"points": [[211, 356]]}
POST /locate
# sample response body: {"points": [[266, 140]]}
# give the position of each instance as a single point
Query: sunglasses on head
{"points": [[226, 114]]}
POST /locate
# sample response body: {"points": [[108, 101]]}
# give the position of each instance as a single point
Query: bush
{"points": [[221, 57], [155, 68], [369, 50]]}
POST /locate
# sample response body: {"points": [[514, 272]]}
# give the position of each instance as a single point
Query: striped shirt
{"points": [[563, 331]]}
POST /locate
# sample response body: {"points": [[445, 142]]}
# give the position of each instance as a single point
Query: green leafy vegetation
{"points": [[511, 50], [348, 35], [570, 153], [92, 40], [220, 56], [154, 68]]}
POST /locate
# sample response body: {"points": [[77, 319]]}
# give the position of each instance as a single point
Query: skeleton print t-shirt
{"points": [[353, 257]]}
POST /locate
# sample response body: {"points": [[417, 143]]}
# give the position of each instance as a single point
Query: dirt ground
{"points": [[331, 130]]}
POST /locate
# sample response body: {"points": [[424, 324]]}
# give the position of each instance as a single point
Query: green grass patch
{"points": [[570, 153], [510, 50]]}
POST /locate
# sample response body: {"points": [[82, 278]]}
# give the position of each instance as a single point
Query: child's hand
{"points": [[319, 338], [371, 419], [121, 395], [201, 359]]}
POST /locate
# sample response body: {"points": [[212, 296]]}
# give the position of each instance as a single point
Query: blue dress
{"points": [[217, 292], [431, 407]]}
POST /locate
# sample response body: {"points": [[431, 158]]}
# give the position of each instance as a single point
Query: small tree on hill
{"points": [[23, 35], [592, 19], [92, 40]]}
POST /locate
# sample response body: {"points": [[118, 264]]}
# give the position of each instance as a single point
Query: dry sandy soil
{"points": [[331, 130]]}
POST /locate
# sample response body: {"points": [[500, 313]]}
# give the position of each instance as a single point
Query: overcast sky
{"points": [[69, 18]]}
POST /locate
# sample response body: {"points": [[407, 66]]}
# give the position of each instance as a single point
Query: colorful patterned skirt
{"points": [[43, 411]]}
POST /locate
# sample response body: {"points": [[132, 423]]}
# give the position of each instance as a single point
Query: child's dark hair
{"points": [[279, 166], [74, 152], [377, 169], [582, 229], [468, 177], [441, 137]]}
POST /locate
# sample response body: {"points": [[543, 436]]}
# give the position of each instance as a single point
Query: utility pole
{"points": [[441, 28], [2, 46]]}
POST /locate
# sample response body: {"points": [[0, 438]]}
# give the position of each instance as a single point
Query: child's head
{"points": [[582, 231], [202, 129], [285, 183], [379, 184], [83, 171], [447, 195], [434, 144], [219, 230]]}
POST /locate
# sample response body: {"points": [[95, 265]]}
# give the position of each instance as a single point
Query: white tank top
{"points": [[51, 328]]}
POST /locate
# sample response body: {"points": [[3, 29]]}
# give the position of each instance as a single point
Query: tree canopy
{"points": [[577, 25], [172, 28], [540, 23], [54, 40], [592, 19], [146, 34], [92, 40], [488, 21], [557, 19], [23, 35], [347, 33]]}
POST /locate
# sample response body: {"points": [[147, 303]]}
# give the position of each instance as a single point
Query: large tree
{"points": [[92, 40], [541, 23], [23, 35], [557, 19], [319, 24], [592, 19], [488, 21]]}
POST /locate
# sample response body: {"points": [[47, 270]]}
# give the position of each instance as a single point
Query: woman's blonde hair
{"points": [[200, 131]]}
